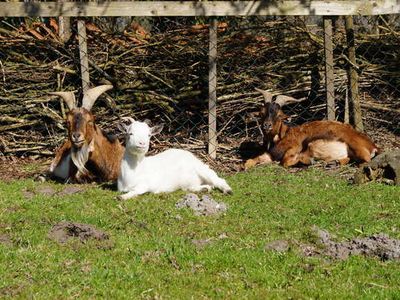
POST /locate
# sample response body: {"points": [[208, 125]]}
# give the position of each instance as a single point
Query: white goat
{"points": [[168, 171]]}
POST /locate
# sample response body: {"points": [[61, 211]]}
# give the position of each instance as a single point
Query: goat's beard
{"points": [[79, 157]]}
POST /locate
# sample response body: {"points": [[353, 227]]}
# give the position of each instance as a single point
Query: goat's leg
{"points": [[62, 166], [344, 161], [60, 153], [262, 159], [201, 188], [290, 158], [132, 194], [361, 154]]}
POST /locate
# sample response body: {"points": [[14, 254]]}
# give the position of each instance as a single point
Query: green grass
{"points": [[151, 254]]}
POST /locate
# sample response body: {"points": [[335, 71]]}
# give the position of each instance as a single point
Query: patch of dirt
{"points": [[200, 244], [12, 167], [64, 231], [11, 290], [205, 206], [377, 245], [48, 191], [5, 240], [70, 190]]}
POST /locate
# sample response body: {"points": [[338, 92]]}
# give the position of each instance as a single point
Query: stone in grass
{"points": [[64, 231], [202, 207], [280, 246]]}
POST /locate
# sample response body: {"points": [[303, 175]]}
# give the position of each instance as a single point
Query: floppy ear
{"points": [[122, 127], [156, 129], [147, 121], [285, 118]]}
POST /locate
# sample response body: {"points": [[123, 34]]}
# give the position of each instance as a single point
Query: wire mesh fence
{"points": [[160, 70]]}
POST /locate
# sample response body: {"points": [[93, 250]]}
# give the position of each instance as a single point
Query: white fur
{"points": [[168, 171], [62, 169]]}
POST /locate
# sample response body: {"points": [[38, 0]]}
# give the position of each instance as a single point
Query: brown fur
{"points": [[291, 145], [296, 140], [105, 154]]}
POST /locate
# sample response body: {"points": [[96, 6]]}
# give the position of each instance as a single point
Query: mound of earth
{"points": [[202, 207], [64, 231], [383, 168], [378, 245]]}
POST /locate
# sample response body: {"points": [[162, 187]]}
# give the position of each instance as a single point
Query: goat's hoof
{"points": [[120, 198]]}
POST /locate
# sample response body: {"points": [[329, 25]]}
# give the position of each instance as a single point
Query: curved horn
{"points": [[68, 97], [128, 119], [284, 100], [90, 96], [267, 95]]}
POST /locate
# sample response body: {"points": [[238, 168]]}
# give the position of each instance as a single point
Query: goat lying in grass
{"points": [[88, 153], [168, 171], [324, 140]]}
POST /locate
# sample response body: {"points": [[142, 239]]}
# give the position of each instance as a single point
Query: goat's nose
{"points": [[76, 136]]}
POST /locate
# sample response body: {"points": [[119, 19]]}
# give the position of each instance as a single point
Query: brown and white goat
{"points": [[88, 154], [324, 140]]}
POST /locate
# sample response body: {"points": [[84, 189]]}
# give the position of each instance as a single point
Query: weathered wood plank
{"points": [[199, 8]]}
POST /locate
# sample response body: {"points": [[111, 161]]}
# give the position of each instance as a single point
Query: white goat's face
{"points": [[138, 136]]}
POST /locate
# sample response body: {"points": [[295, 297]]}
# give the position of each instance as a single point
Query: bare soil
{"points": [[5, 240], [49, 191], [64, 231], [378, 245]]}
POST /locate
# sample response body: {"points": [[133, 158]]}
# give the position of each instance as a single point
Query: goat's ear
{"points": [[147, 121], [156, 129], [122, 127], [131, 120], [286, 119]]}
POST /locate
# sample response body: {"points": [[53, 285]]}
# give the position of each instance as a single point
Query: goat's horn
{"points": [[128, 119], [284, 100], [90, 96], [267, 95], [68, 97]]}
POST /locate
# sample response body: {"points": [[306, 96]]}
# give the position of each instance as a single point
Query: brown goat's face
{"points": [[81, 127], [271, 118]]}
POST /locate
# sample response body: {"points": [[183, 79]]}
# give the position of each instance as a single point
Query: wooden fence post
{"points": [[212, 90], [64, 27], [354, 103], [83, 54], [329, 75]]}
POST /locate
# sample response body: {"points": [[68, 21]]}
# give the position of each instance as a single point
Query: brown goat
{"points": [[88, 154], [326, 140]]}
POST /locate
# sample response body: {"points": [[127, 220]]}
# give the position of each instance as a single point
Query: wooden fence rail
{"points": [[199, 8]]}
